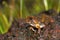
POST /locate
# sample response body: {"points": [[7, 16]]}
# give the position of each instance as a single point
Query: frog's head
{"points": [[33, 21]]}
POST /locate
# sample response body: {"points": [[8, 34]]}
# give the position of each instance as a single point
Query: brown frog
{"points": [[35, 23]]}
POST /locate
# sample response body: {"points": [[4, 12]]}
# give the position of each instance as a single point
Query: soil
{"points": [[18, 31]]}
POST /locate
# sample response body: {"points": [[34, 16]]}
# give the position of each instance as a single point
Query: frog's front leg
{"points": [[31, 28]]}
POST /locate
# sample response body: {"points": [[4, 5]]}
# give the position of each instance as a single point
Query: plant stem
{"points": [[12, 4], [46, 4], [21, 3], [58, 9]]}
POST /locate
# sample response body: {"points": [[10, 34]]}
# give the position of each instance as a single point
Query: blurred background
{"points": [[10, 9], [33, 7]]}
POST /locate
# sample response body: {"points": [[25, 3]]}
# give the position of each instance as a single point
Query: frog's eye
{"points": [[30, 18]]}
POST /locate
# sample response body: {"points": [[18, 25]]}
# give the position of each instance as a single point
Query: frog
{"points": [[35, 23]]}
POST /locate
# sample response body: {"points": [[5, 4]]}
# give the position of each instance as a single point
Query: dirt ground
{"points": [[18, 31]]}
